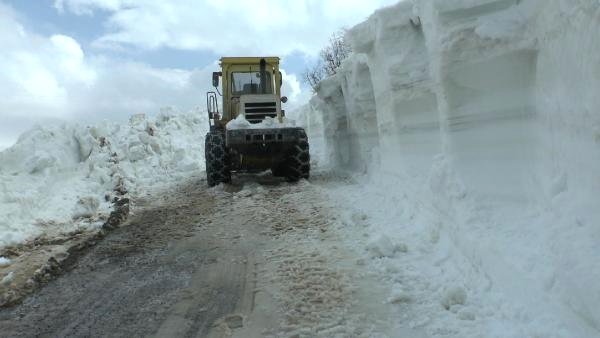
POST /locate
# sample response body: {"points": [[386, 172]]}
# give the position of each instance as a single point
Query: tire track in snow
{"points": [[307, 269]]}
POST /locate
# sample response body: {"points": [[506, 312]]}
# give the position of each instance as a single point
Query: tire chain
{"points": [[298, 162], [217, 159]]}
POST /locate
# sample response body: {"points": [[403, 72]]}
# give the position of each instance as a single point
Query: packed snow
{"points": [[471, 132], [57, 178]]}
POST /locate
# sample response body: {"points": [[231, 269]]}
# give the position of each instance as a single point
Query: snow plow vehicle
{"points": [[252, 134]]}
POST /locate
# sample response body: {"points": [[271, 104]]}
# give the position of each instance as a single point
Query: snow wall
{"points": [[489, 113]]}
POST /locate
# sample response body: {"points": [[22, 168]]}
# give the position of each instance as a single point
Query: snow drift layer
{"points": [[487, 112], [60, 177]]}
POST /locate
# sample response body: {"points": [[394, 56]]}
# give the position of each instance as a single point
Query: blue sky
{"points": [[90, 60], [44, 19]]}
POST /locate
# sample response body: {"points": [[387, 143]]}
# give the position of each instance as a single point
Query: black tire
{"points": [[297, 163], [217, 159], [278, 171]]}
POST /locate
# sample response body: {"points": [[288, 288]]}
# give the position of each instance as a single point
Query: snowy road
{"points": [[248, 260]]}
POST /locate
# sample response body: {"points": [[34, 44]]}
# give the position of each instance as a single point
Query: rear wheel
{"points": [[217, 159], [297, 163]]}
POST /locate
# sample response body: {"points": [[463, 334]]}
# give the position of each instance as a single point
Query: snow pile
{"points": [[44, 176], [477, 122], [157, 150], [60, 177], [240, 122]]}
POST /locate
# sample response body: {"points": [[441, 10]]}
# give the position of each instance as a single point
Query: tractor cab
{"points": [[250, 88]]}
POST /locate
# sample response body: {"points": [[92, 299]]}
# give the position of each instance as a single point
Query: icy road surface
{"points": [[250, 259]]}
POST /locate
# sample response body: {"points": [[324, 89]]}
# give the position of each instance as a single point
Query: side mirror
{"points": [[280, 80], [215, 78], [284, 99]]}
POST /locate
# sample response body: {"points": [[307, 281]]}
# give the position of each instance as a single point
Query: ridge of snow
{"points": [[59, 177]]}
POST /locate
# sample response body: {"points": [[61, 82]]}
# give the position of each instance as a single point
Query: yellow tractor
{"points": [[251, 134]]}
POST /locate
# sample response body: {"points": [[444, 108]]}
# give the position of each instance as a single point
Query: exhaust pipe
{"points": [[263, 76]]}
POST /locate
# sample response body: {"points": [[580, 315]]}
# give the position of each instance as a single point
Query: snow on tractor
{"points": [[252, 134]]}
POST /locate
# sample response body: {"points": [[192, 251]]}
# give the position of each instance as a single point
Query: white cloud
{"points": [[49, 78], [27, 68], [86, 7], [291, 86], [71, 61], [124, 88], [261, 27]]}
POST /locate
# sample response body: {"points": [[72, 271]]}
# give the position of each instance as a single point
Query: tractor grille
{"points": [[257, 111]]}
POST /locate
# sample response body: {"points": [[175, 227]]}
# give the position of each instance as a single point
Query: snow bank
{"points": [[60, 177], [483, 115]]}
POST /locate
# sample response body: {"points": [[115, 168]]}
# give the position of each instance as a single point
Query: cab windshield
{"points": [[244, 83]]}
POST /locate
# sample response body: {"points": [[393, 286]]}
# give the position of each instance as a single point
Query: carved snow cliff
{"points": [[487, 112]]}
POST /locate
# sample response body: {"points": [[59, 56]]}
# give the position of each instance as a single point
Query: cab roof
{"points": [[245, 60]]}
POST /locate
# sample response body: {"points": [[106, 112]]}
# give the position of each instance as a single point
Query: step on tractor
{"points": [[251, 93]]}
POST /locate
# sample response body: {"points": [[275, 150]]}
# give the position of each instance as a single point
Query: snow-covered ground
{"points": [[471, 129], [57, 178]]}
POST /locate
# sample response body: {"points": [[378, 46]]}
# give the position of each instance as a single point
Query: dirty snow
{"points": [[312, 271], [8, 278]]}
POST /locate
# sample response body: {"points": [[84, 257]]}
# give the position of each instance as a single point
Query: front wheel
{"points": [[278, 170], [297, 163], [217, 159]]}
